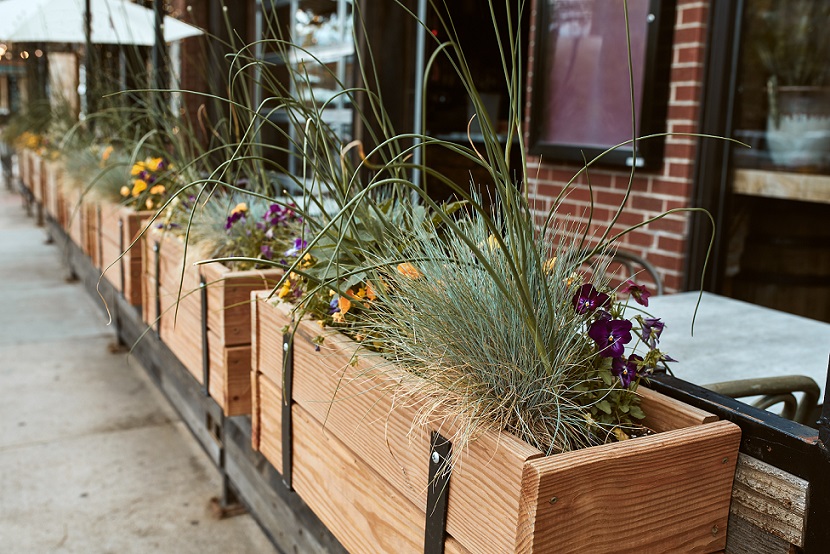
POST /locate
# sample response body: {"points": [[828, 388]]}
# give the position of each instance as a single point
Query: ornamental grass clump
{"points": [[500, 333]]}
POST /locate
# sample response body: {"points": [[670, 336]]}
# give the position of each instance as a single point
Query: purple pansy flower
{"points": [[611, 336], [652, 329], [626, 370], [639, 293], [233, 218], [334, 305], [589, 299], [267, 251], [299, 246]]}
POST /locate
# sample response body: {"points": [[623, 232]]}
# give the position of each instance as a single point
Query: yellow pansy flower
{"points": [[242, 207], [139, 186], [137, 168], [154, 164], [158, 189]]}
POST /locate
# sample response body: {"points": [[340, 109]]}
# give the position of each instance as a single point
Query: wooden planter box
{"points": [[120, 264], [216, 349], [91, 231], [25, 167], [359, 466], [53, 178], [74, 216]]}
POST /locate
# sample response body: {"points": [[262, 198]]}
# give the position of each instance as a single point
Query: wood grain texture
{"points": [[362, 510], [229, 300], [746, 538], [270, 420], [670, 493], [771, 499]]}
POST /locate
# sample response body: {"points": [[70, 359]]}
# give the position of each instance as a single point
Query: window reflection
{"points": [[783, 108]]}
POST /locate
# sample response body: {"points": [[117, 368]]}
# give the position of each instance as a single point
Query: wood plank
{"points": [[669, 492], [746, 538], [229, 298], [255, 411], [665, 414], [771, 499], [230, 377], [270, 421], [363, 511], [268, 355]]}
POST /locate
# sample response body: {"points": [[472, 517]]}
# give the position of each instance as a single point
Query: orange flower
{"points": [[105, 155], [408, 270], [344, 303], [158, 189], [370, 292]]}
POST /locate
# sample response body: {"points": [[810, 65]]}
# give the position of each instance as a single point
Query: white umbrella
{"points": [[113, 22]]}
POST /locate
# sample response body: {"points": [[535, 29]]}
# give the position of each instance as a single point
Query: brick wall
{"points": [[654, 191]]}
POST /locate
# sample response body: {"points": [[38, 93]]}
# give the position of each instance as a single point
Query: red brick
{"points": [[646, 203], [685, 93], [683, 151], [690, 35], [674, 188], [682, 112], [667, 261], [672, 283], [607, 198], [671, 244], [688, 54], [678, 127], [681, 170], [669, 224], [686, 74], [689, 15]]}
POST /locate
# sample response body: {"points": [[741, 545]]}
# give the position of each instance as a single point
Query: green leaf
{"points": [[636, 412], [604, 406]]}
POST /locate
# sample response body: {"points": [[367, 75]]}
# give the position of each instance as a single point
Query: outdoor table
{"points": [[736, 340]]}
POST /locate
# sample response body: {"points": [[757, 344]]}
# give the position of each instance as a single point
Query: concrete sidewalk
{"points": [[92, 457]]}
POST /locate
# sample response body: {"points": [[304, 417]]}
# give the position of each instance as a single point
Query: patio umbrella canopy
{"points": [[113, 22]]}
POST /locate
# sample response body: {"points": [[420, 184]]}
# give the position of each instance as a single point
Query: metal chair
{"points": [[634, 266], [777, 390]]}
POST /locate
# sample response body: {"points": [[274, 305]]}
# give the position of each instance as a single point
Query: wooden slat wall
{"points": [[768, 509]]}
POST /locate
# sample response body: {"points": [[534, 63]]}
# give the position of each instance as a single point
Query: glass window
{"points": [[783, 104]]}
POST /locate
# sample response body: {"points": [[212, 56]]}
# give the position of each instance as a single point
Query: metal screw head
{"points": [[553, 500], [285, 347], [725, 460], [715, 530], [436, 457]]}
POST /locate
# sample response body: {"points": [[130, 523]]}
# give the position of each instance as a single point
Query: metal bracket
{"points": [[287, 395], [100, 237], [156, 250], [438, 491], [203, 292], [121, 256]]}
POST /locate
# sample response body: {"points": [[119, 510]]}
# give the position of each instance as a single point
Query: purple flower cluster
{"points": [[278, 215], [612, 334]]}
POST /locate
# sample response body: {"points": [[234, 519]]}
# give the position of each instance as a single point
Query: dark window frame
{"points": [[651, 114]]}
